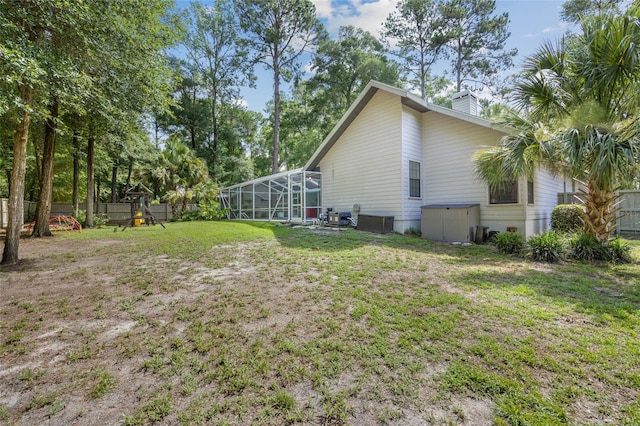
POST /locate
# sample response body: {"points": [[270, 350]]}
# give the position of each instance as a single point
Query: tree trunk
{"points": [[75, 196], [16, 196], [599, 216], [34, 182], [275, 166], [157, 132], [96, 199], [423, 73], [114, 182], [459, 67], [214, 130], [129, 172], [185, 203], [192, 135], [34, 188], [90, 182], [43, 208]]}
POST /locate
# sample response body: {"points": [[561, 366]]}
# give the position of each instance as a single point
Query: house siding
{"points": [[365, 159], [411, 151], [449, 147], [545, 189], [363, 165]]}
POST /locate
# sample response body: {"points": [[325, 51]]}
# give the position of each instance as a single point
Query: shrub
{"points": [[209, 210], [509, 242], [567, 218], [587, 247], [188, 216], [546, 247], [413, 232], [99, 221], [619, 251]]}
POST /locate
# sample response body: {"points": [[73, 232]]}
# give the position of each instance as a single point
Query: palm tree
{"points": [[180, 173], [577, 113]]}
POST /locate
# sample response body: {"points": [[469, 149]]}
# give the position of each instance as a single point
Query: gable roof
{"points": [[408, 99]]}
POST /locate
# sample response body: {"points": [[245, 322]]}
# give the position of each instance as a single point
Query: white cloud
{"points": [[548, 30], [307, 68], [366, 15], [240, 102], [323, 8]]}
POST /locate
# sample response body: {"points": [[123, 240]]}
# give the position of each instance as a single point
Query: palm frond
{"points": [[488, 167]]}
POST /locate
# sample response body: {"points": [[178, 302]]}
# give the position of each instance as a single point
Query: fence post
{"points": [[3, 212]]}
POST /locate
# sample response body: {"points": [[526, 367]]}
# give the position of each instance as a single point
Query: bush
{"points": [[188, 216], [509, 242], [567, 218], [619, 251], [209, 210], [585, 247], [546, 247], [412, 232], [98, 221]]}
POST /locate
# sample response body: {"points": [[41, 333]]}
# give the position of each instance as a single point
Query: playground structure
{"points": [[57, 222], [141, 214]]}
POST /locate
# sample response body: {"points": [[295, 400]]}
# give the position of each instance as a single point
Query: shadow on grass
{"points": [[603, 291], [331, 240], [323, 239]]}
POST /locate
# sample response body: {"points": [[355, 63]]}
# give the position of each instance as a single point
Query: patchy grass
{"points": [[237, 323]]}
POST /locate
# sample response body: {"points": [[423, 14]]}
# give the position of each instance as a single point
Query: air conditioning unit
{"points": [[378, 224]]}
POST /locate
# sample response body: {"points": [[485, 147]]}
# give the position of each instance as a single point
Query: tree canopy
{"points": [[477, 40], [62, 60], [578, 115], [96, 94], [220, 62], [279, 32], [420, 32]]}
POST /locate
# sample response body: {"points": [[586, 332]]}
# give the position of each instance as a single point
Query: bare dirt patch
{"points": [[87, 328], [277, 331]]}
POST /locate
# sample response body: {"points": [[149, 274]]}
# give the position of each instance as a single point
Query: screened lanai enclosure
{"points": [[293, 196]]}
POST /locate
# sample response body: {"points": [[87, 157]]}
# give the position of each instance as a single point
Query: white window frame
{"points": [[413, 179]]}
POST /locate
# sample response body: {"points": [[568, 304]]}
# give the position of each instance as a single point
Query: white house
{"points": [[393, 153]]}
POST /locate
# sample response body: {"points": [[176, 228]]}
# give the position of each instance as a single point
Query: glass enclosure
{"points": [[293, 196]]}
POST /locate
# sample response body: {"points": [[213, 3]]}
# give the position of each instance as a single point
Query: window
{"points": [[414, 179], [530, 192], [507, 194]]}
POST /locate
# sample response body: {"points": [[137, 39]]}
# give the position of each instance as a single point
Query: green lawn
{"points": [[237, 323]]}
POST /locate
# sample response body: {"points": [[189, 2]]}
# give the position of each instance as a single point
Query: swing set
{"points": [[141, 213]]}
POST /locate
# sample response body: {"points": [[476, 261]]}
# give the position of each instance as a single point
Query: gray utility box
{"points": [[450, 222], [379, 224]]}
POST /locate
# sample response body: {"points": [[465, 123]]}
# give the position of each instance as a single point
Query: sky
{"points": [[531, 22]]}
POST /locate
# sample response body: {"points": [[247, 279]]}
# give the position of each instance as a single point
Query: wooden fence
{"points": [[628, 215], [113, 212]]}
